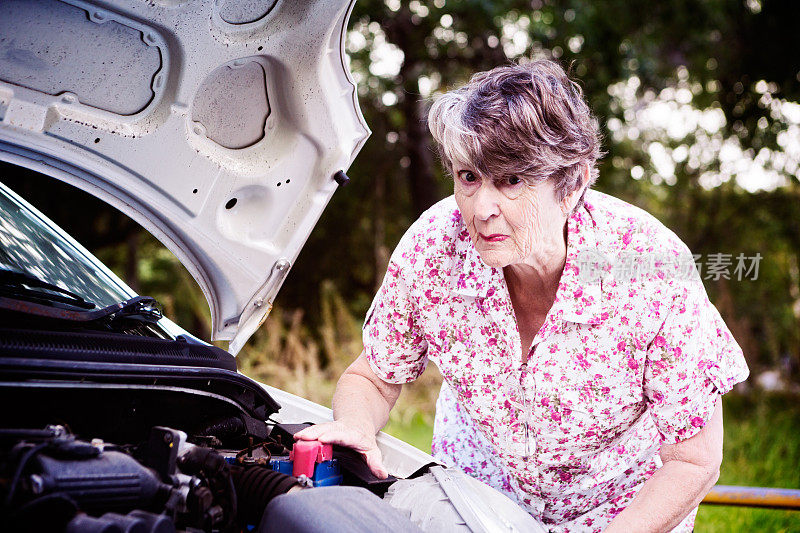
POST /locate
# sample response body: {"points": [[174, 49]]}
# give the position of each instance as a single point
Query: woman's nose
{"points": [[486, 202]]}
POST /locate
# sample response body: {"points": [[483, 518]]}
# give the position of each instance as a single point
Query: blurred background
{"points": [[699, 105]]}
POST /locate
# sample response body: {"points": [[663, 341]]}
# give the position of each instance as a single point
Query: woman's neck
{"points": [[539, 275]]}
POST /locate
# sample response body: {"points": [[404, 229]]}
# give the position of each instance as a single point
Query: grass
{"points": [[417, 431], [762, 449], [762, 433]]}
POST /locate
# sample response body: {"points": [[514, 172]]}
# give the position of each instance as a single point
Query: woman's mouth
{"points": [[494, 237]]}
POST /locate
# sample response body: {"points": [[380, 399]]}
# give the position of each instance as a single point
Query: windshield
{"points": [[31, 244]]}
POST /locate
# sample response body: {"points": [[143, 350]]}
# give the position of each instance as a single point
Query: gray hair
{"points": [[524, 120]]}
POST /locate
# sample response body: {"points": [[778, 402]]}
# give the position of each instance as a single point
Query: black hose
{"points": [[256, 486], [225, 427], [233, 499], [29, 453]]}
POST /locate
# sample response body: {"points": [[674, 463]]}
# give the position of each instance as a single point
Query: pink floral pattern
{"points": [[632, 354]]}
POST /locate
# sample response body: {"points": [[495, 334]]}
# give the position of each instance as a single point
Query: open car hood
{"points": [[219, 126]]}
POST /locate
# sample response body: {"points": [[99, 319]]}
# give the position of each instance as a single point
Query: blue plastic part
{"points": [[326, 473], [282, 465]]}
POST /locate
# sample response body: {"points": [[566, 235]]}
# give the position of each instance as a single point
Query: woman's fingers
{"points": [[336, 433], [343, 435], [375, 462], [357, 441], [332, 433], [317, 431], [360, 443], [311, 433]]}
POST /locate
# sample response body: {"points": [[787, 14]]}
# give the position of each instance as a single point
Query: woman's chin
{"points": [[495, 258]]}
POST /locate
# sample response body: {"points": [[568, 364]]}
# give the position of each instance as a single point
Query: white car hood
{"points": [[217, 125]]}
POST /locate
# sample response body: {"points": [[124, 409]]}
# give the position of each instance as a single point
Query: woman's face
{"points": [[509, 220]]}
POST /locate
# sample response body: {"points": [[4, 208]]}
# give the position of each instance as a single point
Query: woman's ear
{"points": [[571, 200]]}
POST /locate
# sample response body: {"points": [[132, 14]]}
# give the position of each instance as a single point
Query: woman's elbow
{"points": [[710, 459], [713, 468], [715, 476], [701, 453]]}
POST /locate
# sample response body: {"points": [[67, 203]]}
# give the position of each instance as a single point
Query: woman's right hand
{"points": [[361, 406], [351, 435]]}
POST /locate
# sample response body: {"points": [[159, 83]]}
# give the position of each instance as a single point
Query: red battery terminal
{"points": [[306, 454]]}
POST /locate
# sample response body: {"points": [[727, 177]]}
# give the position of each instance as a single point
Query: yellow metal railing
{"points": [[769, 498]]}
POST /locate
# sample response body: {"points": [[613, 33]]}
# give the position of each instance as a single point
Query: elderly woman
{"points": [[583, 363]]}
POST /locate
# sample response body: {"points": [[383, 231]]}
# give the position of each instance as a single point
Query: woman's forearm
{"points": [[690, 470], [361, 406], [666, 498], [358, 403], [362, 400]]}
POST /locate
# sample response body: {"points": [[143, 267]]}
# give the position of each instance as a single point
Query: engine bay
{"points": [[109, 432], [167, 481]]}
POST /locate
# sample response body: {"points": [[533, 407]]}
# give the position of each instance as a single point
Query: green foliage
{"points": [[762, 449]]}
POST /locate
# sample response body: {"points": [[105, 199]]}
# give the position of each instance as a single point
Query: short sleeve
{"points": [[394, 342], [692, 359]]}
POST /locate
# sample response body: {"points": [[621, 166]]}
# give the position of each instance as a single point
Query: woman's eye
{"points": [[469, 177], [513, 180]]}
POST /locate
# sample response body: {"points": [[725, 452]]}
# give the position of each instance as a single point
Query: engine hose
{"points": [[227, 426], [256, 486]]}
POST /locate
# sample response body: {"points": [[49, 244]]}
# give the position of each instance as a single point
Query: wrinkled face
{"points": [[509, 220]]}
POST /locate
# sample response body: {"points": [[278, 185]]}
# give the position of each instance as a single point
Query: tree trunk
{"points": [[379, 248], [402, 32], [420, 167]]}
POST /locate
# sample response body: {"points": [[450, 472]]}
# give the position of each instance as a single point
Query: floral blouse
{"points": [[631, 355]]}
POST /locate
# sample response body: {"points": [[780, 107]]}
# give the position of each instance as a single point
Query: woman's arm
{"points": [[690, 470], [361, 406]]}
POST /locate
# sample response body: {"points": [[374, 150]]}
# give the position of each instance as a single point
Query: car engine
{"points": [[107, 432], [54, 481]]}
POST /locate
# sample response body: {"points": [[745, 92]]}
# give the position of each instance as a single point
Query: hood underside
{"points": [[218, 126]]}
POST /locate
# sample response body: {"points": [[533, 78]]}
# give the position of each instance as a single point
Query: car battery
{"points": [[313, 460]]}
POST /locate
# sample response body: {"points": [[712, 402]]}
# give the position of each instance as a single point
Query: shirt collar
{"points": [[579, 297], [475, 278]]}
